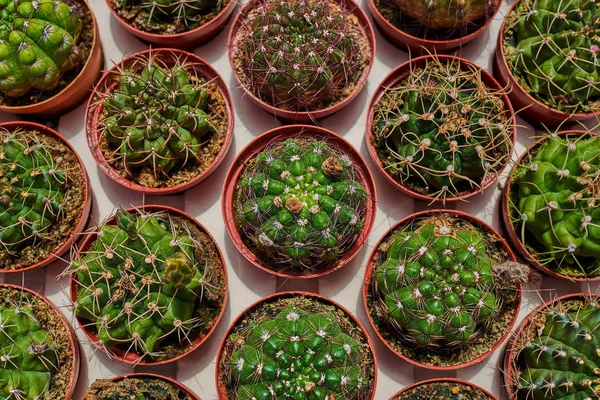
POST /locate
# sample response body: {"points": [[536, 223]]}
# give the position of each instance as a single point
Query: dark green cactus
{"points": [[446, 14], [443, 390], [38, 42], [553, 203], [134, 388], [300, 55], [441, 132], [300, 204], [552, 47]]}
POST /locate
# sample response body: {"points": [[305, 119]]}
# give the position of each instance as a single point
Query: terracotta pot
{"points": [[179, 386], [394, 78], [534, 111], [280, 134], [108, 82], [132, 358], [73, 342], [421, 46], [222, 391], [184, 40], [305, 117], [370, 270], [87, 201], [450, 380], [77, 91], [514, 237]]}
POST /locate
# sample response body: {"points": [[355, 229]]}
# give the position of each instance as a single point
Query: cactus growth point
{"points": [[137, 386], [553, 203], [441, 131]]}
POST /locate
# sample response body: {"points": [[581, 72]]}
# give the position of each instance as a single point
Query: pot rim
{"points": [[450, 380]]}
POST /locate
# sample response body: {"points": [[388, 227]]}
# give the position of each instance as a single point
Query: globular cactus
{"points": [[441, 131], [300, 55], [553, 203], [300, 205], [139, 388], [551, 47], [447, 15], [39, 41], [443, 390]]}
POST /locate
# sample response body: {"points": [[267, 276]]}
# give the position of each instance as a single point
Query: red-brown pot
{"points": [[396, 76], [107, 83], [73, 342], [305, 117], [132, 358], [450, 380], [369, 274], [87, 202], [534, 111], [184, 40], [421, 46], [77, 91], [282, 133], [177, 385], [510, 228], [222, 392]]}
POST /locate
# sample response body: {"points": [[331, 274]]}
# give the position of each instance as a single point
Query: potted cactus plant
{"points": [[296, 345], [301, 60], [139, 386], [550, 206], [148, 286], [160, 121], [551, 355], [49, 62], [440, 128], [39, 352], [45, 197], [442, 289], [443, 389], [299, 202], [547, 55]]}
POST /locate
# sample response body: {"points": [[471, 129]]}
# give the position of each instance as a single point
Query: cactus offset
{"points": [[448, 14], [300, 205], [551, 47], [139, 388], [441, 131]]}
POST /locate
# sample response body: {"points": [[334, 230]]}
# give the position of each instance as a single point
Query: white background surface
{"points": [[246, 282]]}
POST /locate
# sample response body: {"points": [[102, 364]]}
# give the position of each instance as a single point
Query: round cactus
{"points": [[441, 131], [443, 390], [134, 387], [448, 14], [300, 55], [299, 204], [149, 285], [551, 48], [553, 203]]}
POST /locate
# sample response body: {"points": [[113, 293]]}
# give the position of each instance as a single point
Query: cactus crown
{"points": [[300, 55], [553, 203], [141, 388], [38, 43], [300, 204], [442, 131], [148, 285], [552, 49]]}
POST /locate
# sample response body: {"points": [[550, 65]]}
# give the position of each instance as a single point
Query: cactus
{"points": [[300, 55], [300, 205], [39, 42], [446, 15], [551, 48], [141, 388], [443, 390], [553, 203], [148, 285], [441, 131], [297, 348]]}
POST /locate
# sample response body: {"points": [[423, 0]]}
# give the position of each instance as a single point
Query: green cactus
{"points": [[300, 55], [448, 14], [441, 132], [38, 43], [298, 348], [138, 388], [299, 205], [553, 203], [551, 47], [149, 285], [443, 390]]}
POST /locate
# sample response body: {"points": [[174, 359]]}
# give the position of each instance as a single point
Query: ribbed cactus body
{"points": [[178, 12], [38, 43], [134, 388], [445, 14]]}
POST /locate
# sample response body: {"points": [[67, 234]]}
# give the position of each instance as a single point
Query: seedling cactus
{"points": [[135, 387], [441, 132]]}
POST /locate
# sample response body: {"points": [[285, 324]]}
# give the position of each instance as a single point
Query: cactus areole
{"points": [[443, 389], [296, 346], [138, 387]]}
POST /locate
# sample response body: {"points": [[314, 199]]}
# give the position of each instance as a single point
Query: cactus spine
{"points": [[448, 14]]}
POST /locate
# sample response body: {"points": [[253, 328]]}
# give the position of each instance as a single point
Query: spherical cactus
{"points": [[300, 55], [551, 48], [137, 386], [448, 14], [441, 131], [553, 203]]}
